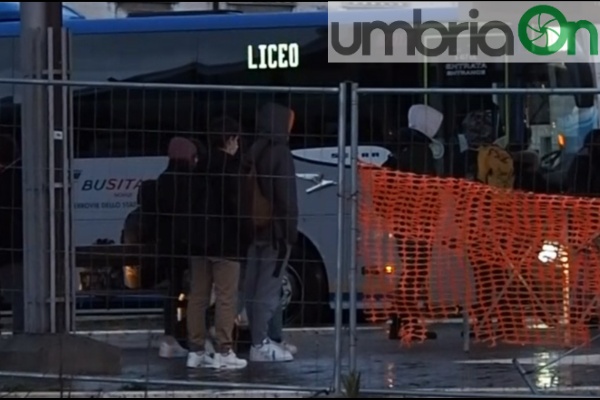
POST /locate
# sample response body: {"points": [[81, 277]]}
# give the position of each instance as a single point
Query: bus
{"points": [[121, 134]]}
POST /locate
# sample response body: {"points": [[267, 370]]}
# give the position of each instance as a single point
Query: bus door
{"points": [[469, 119]]}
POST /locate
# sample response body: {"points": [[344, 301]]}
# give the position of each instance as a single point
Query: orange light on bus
{"points": [[389, 269], [562, 141]]}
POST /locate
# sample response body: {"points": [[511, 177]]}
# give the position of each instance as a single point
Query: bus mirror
{"points": [[585, 100]]}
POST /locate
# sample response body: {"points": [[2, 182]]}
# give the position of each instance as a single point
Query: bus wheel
{"points": [[305, 291]]}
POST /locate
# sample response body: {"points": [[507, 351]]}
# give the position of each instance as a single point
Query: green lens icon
{"points": [[543, 30]]}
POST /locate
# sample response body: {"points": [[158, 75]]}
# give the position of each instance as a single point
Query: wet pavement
{"points": [[384, 364]]}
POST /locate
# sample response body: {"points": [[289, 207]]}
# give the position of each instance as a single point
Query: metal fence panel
{"points": [[421, 226], [119, 134]]}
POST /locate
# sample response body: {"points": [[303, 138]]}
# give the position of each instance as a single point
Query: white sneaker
{"points": [[200, 359], [289, 347], [170, 348], [229, 361], [269, 352]]}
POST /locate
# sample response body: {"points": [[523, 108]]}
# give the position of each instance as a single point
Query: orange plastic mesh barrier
{"points": [[524, 266]]}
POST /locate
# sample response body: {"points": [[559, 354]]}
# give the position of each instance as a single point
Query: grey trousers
{"points": [[275, 331], [264, 271]]}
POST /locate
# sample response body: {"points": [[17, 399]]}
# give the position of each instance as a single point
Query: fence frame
{"points": [[66, 88], [356, 92]]}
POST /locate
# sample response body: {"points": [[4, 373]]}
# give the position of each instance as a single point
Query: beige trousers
{"points": [[224, 274]]}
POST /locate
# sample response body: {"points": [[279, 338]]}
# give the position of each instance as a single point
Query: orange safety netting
{"points": [[524, 267]]}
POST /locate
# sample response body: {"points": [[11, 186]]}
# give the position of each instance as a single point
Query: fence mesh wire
{"points": [[433, 246]]}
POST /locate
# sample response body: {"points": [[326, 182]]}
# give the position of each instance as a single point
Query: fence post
{"points": [[67, 179], [353, 223], [34, 156], [337, 378], [55, 59]]}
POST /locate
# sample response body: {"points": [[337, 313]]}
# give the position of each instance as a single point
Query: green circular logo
{"points": [[543, 38]]}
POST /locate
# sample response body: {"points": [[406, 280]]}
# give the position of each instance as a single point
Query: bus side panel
{"points": [[105, 192]]}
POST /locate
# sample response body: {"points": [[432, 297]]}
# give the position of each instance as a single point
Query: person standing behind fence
{"points": [[220, 266], [11, 230], [180, 231], [273, 237], [414, 153]]}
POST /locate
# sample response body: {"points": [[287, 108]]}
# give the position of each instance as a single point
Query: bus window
{"points": [[9, 117], [118, 122], [129, 122], [383, 115]]}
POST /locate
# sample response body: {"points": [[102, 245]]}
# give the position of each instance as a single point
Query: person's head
{"points": [[182, 150], [276, 120], [224, 135], [478, 127], [8, 151]]}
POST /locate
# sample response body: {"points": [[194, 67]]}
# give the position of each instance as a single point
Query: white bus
{"points": [[121, 134]]}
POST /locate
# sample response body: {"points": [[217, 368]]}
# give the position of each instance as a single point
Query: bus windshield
{"points": [[543, 123]]}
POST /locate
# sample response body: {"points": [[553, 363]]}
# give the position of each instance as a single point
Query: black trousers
{"points": [[174, 324], [412, 293]]}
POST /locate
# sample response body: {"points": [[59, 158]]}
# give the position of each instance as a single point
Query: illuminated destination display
{"points": [[274, 56]]}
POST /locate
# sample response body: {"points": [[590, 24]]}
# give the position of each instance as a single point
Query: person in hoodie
{"points": [[220, 267], [270, 250], [414, 149], [416, 152], [179, 230], [11, 230]]}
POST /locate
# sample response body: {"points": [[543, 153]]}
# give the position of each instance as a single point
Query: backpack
{"points": [[132, 228], [495, 167], [262, 210], [140, 224]]}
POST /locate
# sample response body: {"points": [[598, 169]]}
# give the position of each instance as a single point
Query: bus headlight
{"points": [[553, 252], [548, 254]]}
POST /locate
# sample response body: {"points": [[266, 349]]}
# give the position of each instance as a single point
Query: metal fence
{"points": [[102, 281]]}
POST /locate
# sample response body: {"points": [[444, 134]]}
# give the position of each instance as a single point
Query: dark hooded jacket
{"points": [[410, 152], [183, 210], [276, 173], [230, 228]]}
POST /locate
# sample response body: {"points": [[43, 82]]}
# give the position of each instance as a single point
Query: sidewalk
{"points": [[432, 366]]}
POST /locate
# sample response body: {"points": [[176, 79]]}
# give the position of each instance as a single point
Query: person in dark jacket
{"points": [[413, 148], [414, 153], [220, 266], [271, 247], [11, 230], [410, 152], [179, 230]]}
